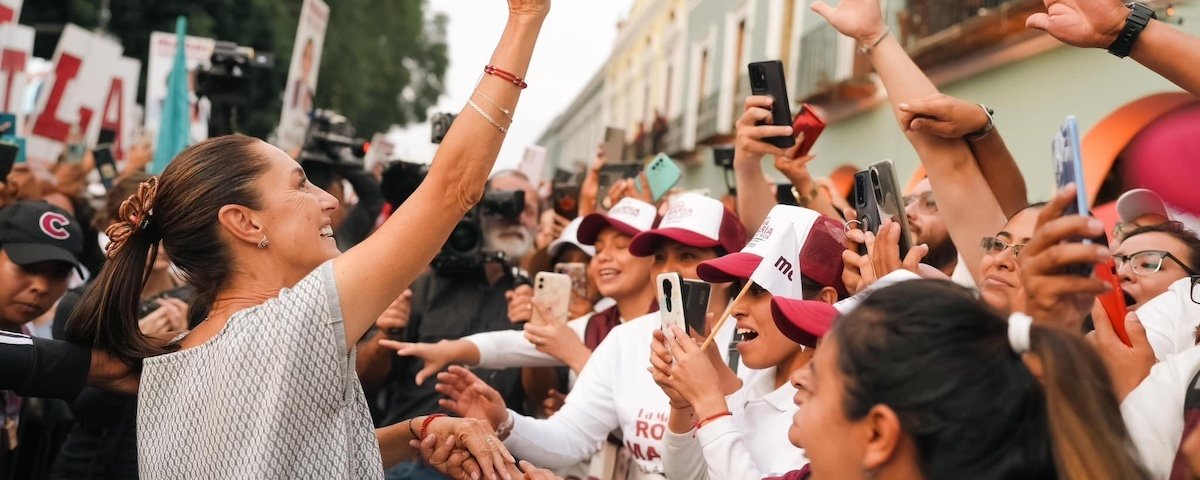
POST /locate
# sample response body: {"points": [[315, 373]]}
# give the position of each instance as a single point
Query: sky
{"points": [[575, 41]]}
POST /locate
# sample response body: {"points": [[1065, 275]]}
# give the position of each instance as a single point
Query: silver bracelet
{"points": [[505, 428], [507, 112], [863, 49], [487, 117]]}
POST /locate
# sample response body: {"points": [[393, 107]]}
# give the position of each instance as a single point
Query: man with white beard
{"points": [[450, 305]]}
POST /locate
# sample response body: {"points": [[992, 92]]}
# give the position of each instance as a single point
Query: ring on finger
{"points": [[857, 225]]}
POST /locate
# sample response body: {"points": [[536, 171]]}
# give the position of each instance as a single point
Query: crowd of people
{"points": [[231, 318]]}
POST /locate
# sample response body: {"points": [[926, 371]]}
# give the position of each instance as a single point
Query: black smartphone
{"points": [[695, 294], [107, 136], [766, 78], [865, 204], [785, 196], [610, 174], [8, 156], [566, 200], [106, 165], [890, 199]]}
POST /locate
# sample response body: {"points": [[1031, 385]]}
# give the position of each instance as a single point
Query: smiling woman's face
{"points": [[1000, 285], [295, 214]]}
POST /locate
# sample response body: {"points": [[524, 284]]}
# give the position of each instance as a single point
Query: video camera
{"points": [[330, 139], [463, 251], [228, 81]]}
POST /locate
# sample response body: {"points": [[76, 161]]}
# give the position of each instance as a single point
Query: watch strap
{"points": [[1139, 16]]}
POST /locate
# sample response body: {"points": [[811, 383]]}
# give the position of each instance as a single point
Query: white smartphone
{"points": [[670, 303], [553, 289]]}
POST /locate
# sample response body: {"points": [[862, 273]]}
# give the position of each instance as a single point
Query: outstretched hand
{"points": [[529, 8], [861, 20], [1081, 23], [469, 396]]}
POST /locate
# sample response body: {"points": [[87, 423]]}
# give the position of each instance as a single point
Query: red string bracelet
{"points": [[509, 77], [425, 424], [708, 420]]}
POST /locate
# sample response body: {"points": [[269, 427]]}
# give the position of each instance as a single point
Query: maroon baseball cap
{"points": [[696, 221], [629, 216], [803, 321], [820, 258]]}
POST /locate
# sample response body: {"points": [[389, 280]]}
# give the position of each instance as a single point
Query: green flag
{"points": [[174, 132]]}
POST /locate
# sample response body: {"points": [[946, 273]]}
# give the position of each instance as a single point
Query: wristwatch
{"points": [[987, 128], [1139, 16]]}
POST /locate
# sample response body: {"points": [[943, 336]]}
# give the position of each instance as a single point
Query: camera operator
{"points": [[451, 303]]}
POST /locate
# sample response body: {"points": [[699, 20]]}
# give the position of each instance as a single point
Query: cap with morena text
{"points": [[697, 221]]}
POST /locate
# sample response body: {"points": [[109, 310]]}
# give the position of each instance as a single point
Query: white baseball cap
{"points": [[629, 216], [696, 221], [570, 236], [1140, 202]]}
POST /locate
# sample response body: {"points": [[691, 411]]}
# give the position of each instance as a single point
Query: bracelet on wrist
{"points": [[505, 429], [425, 424], [713, 418], [987, 128], [866, 49]]}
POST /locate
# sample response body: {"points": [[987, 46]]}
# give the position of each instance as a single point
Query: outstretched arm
{"points": [[1096, 23], [376, 271], [964, 199]]}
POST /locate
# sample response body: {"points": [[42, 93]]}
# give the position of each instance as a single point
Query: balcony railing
{"points": [[934, 31], [817, 70], [674, 141], [706, 120]]}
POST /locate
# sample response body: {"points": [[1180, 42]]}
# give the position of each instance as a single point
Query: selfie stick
{"points": [[725, 316]]}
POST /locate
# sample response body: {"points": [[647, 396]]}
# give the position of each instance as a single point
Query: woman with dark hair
{"points": [[945, 388], [264, 386]]}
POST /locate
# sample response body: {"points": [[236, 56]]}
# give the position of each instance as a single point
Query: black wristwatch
{"points": [[1139, 16]]}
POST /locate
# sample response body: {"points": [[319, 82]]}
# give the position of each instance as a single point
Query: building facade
{"points": [[676, 81]]}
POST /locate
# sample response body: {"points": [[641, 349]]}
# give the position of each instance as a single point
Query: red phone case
{"points": [[810, 124], [1114, 301]]}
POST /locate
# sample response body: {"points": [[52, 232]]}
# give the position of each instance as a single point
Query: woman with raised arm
{"points": [[264, 386]]}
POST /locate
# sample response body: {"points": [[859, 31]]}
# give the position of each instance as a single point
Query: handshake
{"points": [[468, 449]]}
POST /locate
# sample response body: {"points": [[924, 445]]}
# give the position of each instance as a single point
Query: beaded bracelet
{"points": [[509, 77], [425, 424]]}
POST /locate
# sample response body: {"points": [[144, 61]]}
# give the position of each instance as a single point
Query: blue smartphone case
{"points": [[662, 174]]}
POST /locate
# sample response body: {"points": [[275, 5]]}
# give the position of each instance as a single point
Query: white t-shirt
{"points": [[720, 450], [615, 390], [510, 348], [273, 395], [1171, 319], [962, 275], [1153, 412]]}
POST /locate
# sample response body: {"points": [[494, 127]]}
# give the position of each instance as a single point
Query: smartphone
{"points": [[553, 289], [810, 124], [611, 174], [661, 173], [614, 145], [670, 303], [577, 272], [766, 78], [1068, 169], [107, 136], [865, 203], [106, 165], [784, 195], [565, 198], [695, 303], [8, 156], [8, 125], [533, 164], [890, 199]]}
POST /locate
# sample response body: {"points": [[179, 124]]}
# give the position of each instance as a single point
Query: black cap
{"points": [[32, 232]]}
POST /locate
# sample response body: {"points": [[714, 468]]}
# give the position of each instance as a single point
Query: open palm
{"points": [[861, 20]]}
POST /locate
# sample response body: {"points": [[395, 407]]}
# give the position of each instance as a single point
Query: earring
{"points": [[264, 242]]}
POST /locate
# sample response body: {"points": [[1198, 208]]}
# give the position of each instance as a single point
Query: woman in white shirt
{"points": [[615, 390], [706, 432], [264, 386]]}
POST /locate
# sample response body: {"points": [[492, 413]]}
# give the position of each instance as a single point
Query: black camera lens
{"points": [[758, 77]]}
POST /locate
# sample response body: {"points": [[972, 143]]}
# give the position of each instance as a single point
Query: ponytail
{"points": [[1087, 433], [107, 316]]}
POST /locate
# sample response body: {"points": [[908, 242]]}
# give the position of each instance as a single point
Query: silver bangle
{"points": [[505, 111]]}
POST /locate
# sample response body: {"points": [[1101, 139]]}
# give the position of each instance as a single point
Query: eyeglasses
{"points": [[996, 246], [1196, 289], [925, 202], [1149, 262]]}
